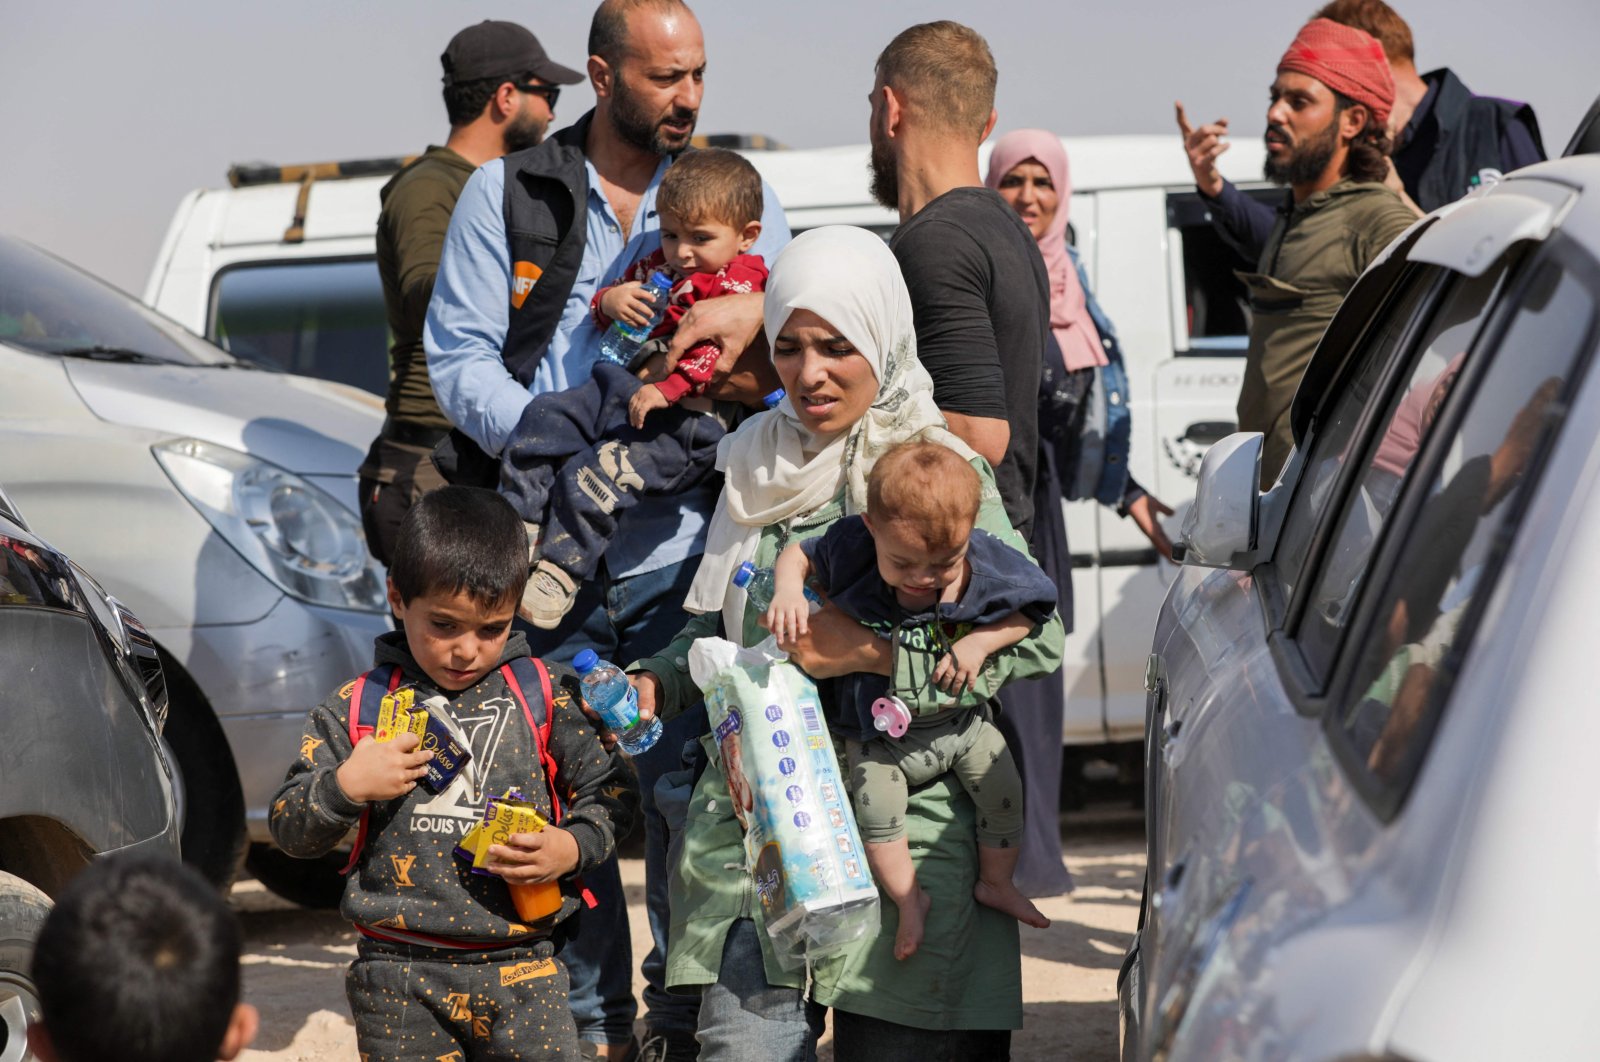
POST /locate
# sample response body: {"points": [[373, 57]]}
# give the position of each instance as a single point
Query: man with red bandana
{"points": [[1327, 140]]}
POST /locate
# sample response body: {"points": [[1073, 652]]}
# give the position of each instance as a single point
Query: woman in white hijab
{"points": [[838, 321]]}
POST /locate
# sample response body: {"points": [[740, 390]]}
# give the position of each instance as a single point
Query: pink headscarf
{"points": [[1069, 307]]}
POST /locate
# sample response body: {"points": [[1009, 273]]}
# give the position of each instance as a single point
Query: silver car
{"points": [[218, 501], [1374, 814], [85, 772]]}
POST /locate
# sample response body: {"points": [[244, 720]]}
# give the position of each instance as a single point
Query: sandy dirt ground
{"points": [[295, 959]]}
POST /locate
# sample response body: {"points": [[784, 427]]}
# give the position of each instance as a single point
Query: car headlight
{"points": [[294, 533]]}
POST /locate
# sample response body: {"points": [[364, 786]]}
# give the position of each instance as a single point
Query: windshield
{"points": [[49, 307]]}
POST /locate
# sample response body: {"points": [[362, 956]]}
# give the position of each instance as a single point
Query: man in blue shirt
{"points": [[646, 66]]}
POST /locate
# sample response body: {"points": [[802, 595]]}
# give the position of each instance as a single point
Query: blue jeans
{"points": [[744, 1019], [623, 620]]}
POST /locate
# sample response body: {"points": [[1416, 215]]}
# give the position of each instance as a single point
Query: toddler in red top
{"points": [[577, 458], [696, 255]]}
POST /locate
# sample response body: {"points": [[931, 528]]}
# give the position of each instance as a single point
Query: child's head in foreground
{"points": [[459, 567], [139, 962], [709, 209], [922, 501]]}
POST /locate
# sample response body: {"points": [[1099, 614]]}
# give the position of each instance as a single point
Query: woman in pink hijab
{"points": [[1029, 169], [1084, 431]]}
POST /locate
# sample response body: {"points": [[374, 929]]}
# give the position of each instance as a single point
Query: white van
{"points": [[279, 268]]}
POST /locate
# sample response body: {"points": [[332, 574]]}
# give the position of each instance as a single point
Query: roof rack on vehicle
{"points": [[305, 174], [241, 175], [738, 141]]}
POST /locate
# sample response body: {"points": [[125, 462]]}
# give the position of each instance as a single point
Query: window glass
{"points": [[49, 307], [1434, 365], [315, 318], [1400, 676], [1334, 428], [1215, 304]]}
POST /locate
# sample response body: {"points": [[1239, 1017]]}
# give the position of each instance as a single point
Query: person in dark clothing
{"points": [[500, 92], [979, 292], [1445, 137], [446, 960]]}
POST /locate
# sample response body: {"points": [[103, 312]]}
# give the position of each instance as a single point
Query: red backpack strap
{"points": [[531, 667], [365, 701]]}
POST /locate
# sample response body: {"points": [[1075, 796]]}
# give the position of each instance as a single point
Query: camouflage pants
{"points": [[431, 1005], [966, 742]]}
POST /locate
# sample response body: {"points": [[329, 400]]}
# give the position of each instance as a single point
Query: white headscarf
{"points": [[776, 468]]}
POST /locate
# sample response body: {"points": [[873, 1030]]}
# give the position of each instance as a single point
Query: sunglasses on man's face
{"points": [[551, 93]]}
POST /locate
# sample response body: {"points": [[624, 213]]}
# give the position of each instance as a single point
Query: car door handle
{"points": [[1206, 432]]}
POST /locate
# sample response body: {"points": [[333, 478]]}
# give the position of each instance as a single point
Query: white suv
{"points": [[1372, 802], [280, 269]]}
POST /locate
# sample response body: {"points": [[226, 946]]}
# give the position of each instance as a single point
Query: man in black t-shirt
{"points": [[979, 292]]}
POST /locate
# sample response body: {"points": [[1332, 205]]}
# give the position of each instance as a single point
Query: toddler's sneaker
{"points": [[548, 597]]}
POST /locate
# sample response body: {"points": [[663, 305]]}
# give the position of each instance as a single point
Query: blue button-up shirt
{"points": [[470, 313]]}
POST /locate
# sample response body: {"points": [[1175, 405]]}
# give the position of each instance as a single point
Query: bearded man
{"points": [[1326, 139], [500, 92], [533, 237]]}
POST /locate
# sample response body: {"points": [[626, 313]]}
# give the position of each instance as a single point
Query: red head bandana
{"points": [[1346, 60]]}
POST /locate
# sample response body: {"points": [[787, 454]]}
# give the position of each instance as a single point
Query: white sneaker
{"points": [[548, 596]]}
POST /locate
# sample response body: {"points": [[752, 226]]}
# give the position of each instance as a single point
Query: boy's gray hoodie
{"points": [[407, 881]]}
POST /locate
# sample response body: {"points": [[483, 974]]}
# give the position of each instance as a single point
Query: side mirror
{"points": [[1220, 527]]}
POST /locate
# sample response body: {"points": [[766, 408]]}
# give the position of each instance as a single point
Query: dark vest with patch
{"points": [[545, 197], [546, 187]]}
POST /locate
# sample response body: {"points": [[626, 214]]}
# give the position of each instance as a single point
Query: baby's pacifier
{"points": [[891, 715]]}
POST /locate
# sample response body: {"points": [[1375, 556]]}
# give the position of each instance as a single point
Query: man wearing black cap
{"points": [[500, 92]]}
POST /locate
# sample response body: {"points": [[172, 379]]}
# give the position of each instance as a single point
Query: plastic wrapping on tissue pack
{"points": [[802, 845]]}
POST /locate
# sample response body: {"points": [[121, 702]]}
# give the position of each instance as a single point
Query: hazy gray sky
{"points": [[115, 110]]}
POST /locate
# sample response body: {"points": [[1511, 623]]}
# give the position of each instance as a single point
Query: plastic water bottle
{"points": [[758, 586], [607, 690], [622, 341]]}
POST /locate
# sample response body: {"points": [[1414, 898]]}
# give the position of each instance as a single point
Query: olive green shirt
{"points": [[1316, 252], [417, 203], [968, 972]]}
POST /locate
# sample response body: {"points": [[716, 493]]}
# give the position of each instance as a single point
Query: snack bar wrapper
{"points": [[502, 817], [398, 713], [802, 845]]}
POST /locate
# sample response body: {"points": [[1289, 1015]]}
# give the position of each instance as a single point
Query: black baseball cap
{"points": [[501, 49]]}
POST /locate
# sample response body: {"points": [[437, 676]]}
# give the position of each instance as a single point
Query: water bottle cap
{"points": [[773, 399], [585, 661], [661, 279], [742, 577]]}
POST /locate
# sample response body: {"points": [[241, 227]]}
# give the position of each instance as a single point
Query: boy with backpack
{"points": [[445, 961]]}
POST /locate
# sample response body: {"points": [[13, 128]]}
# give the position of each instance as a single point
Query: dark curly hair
{"points": [[1369, 151]]}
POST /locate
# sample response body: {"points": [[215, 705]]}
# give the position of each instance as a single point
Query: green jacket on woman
{"points": [[967, 973]]}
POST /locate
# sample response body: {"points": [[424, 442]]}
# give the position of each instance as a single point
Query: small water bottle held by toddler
{"points": [[607, 690], [622, 341], [758, 585]]}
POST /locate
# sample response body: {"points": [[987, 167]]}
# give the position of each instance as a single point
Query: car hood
{"points": [[307, 426]]}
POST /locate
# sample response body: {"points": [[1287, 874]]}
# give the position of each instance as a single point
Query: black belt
{"points": [[423, 435]]}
